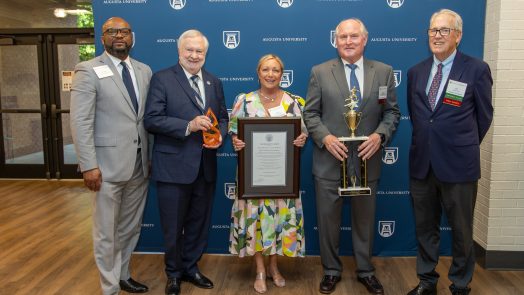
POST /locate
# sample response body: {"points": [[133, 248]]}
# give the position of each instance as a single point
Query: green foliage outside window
{"points": [[86, 20]]}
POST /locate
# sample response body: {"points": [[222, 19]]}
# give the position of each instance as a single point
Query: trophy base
{"points": [[356, 138], [354, 191]]}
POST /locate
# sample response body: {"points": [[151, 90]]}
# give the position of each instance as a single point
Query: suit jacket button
{"points": [[431, 121], [135, 141]]}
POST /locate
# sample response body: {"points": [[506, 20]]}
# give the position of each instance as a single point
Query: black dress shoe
{"points": [[173, 286], [459, 291], [372, 284], [198, 280], [424, 290], [132, 286], [328, 284]]}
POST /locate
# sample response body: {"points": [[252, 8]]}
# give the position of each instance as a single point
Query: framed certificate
{"points": [[269, 164]]}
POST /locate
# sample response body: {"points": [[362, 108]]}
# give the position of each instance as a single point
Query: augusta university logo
{"points": [[395, 3], [177, 4], [390, 155], [287, 79], [386, 228], [333, 38], [398, 77], [231, 39], [285, 3], [230, 190]]}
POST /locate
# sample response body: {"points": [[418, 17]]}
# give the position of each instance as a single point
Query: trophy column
{"points": [[352, 119]]}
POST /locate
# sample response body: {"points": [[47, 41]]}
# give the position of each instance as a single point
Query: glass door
{"points": [[35, 75]]}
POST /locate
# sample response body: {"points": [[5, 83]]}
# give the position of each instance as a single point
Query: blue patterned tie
{"points": [[128, 82], [435, 85], [353, 82]]}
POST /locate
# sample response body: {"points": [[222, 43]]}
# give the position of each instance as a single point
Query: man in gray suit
{"points": [[107, 107], [328, 88]]}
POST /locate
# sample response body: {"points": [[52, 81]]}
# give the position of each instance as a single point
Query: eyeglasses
{"points": [[113, 32], [442, 31]]}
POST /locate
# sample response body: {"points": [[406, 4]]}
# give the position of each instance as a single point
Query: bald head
{"points": [[117, 37]]}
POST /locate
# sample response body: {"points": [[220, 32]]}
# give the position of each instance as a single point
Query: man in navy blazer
{"points": [[183, 167], [449, 101]]}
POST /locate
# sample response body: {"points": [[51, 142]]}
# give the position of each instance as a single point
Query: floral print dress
{"points": [[270, 226]]}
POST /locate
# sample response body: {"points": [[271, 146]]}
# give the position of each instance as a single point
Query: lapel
{"points": [[369, 76], [208, 89], [180, 75], [104, 59], [337, 69], [457, 68], [139, 75], [423, 80]]}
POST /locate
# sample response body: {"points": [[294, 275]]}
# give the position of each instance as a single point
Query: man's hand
{"points": [[93, 179], [200, 123], [335, 147], [214, 147], [369, 147]]}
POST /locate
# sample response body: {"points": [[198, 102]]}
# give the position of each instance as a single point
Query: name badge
{"points": [[103, 71], [277, 111], [382, 94], [455, 93]]}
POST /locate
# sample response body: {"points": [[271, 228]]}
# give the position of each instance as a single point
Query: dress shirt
{"points": [[446, 68]]}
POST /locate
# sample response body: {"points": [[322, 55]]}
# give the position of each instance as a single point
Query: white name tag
{"points": [[382, 92], [456, 88], [103, 71]]}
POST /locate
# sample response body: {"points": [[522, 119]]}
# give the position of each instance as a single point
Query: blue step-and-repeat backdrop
{"points": [[301, 32]]}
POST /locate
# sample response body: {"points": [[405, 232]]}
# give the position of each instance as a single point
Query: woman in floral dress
{"points": [[273, 226]]}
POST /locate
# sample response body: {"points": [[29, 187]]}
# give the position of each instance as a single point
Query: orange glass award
{"points": [[212, 136]]}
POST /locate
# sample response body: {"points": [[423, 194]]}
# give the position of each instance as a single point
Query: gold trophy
{"points": [[352, 119]]}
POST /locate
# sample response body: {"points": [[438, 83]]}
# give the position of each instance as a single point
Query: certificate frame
{"points": [[247, 129]]}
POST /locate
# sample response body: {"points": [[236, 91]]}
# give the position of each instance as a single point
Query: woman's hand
{"points": [[237, 143], [300, 141]]}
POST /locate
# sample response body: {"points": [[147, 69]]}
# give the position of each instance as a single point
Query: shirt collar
{"points": [[116, 61], [189, 75], [359, 63], [445, 62]]}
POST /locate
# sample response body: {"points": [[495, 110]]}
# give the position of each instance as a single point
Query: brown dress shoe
{"points": [[372, 284], [328, 284]]}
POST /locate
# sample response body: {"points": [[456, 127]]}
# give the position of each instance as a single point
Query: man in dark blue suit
{"points": [[449, 101], [183, 167]]}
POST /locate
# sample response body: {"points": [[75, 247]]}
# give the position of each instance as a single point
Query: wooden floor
{"points": [[45, 248]]}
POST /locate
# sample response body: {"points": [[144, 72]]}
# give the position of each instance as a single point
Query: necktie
{"points": [[435, 84], [353, 83], [128, 82], [194, 85]]}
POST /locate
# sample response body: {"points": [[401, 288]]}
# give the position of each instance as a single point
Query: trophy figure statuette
{"points": [[352, 118]]}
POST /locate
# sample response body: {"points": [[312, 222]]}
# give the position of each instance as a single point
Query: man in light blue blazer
{"points": [[108, 97], [183, 166]]}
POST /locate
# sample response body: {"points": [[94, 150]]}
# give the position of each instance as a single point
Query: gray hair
{"points": [[190, 34], [456, 18], [363, 29]]}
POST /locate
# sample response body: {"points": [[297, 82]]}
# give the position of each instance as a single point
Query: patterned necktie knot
{"points": [[352, 66]]}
